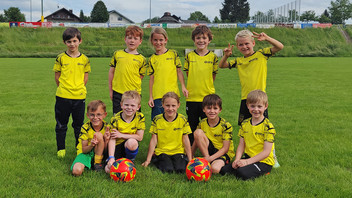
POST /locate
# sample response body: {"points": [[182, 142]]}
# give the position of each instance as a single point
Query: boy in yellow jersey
{"points": [[93, 139], [71, 76], [256, 141], [213, 136], [201, 66], [127, 129], [169, 138], [127, 67], [252, 67]]}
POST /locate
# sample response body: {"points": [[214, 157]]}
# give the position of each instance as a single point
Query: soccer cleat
{"points": [[98, 167], [276, 164], [61, 153]]}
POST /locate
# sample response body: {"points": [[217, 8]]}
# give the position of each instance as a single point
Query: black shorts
{"points": [[212, 150], [195, 113], [116, 102], [244, 112], [120, 150], [170, 163]]}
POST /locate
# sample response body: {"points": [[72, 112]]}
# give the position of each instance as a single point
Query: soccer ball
{"points": [[123, 170], [198, 169]]}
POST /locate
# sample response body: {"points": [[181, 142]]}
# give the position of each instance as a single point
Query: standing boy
{"points": [[252, 67], [93, 139], [256, 141], [201, 66], [127, 67], [213, 136], [71, 76], [127, 129]]}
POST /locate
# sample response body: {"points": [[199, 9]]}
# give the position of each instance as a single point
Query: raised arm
{"points": [[227, 53], [277, 45]]}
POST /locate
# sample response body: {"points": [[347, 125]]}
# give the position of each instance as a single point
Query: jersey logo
{"points": [[206, 62], [254, 59], [176, 129], [80, 64], [169, 59], [136, 60]]}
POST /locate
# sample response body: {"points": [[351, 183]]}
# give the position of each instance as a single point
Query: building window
{"points": [[120, 19]]}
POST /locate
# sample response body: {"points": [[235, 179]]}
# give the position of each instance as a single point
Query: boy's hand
{"points": [[260, 37], [228, 50], [146, 163], [151, 102], [185, 92], [107, 134], [116, 134], [242, 163], [110, 162], [94, 141]]}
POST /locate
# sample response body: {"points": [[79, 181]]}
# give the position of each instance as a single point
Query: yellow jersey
{"points": [[87, 133]]}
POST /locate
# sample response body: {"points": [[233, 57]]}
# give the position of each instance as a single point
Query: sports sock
{"points": [[98, 159], [131, 154]]}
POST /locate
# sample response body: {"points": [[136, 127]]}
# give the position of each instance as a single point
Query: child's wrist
{"points": [[110, 157]]}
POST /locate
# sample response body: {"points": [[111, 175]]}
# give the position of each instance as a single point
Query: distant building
{"points": [[168, 18], [116, 17], [63, 15]]}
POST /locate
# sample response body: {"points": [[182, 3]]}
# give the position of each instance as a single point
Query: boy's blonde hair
{"points": [[202, 29], [157, 30], [94, 105], [256, 96], [244, 34], [170, 95], [134, 30], [131, 95]]}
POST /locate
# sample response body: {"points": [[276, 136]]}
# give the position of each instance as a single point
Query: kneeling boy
{"points": [[213, 136], [93, 139]]}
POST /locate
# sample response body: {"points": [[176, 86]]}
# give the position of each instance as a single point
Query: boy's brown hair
{"points": [[212, 100], [202, 29], [70, 33], [256, 96], [94, 105], [134, 30], [131, 95], [170, 95]]}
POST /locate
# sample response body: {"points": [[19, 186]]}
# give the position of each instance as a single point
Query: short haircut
{"points": [[132, 94], [94, 105], [212, 100], [202, 29], [170, 95], [157, 30], [134, 30], [256, 96], [70, 33], [244, 34]]}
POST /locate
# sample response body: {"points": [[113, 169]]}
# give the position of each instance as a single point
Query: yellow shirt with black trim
{"points": [[87, 133], [252, 71], [170, 134], [255, 136], [200, 75], [71, 81], [164, 68], [137, 123], [128, 71], [221, 132]]}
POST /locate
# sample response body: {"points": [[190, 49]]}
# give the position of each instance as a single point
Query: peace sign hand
{"points": [[228, 50]]}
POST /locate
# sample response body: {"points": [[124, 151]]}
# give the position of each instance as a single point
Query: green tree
{"points": [[308, 16], [340, 11], [198, 16], [2, 18], [325, 17], [14, 14], [152, 20], [216, 20], [83, 18], [99, 13], [235, 11]]}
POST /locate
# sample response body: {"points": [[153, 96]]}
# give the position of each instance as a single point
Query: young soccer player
{"points": [[201, 66], [164, 67], [127, 129], [256, 141], [127, 67], [71, 76], [93, 139], [169, 138], [213, 136], [252, 67]]}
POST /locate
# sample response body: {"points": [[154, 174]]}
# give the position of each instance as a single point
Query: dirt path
{"points": [[345, 35]]}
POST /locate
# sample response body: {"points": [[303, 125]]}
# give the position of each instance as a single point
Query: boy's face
{"points": [[97, 117], [212, 111], [245, 45], [159, 42], [73, 44], [201, 41], [170, 106], [132, 42], [130, 107], [257, 109]]}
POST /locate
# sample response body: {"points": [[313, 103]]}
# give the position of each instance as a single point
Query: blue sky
{"points": [[139, 10]]}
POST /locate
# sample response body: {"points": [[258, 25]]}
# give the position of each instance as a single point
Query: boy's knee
{"points": [[198, 133], [77, 170], [131, 144]]}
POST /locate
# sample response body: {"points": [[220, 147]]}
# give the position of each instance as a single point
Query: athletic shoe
{"points": [[98, 167], [61, 153]]}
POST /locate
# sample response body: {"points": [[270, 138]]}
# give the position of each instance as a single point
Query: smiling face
{"points": [[257, 110], [245, 45], [159, 42], [72, 45], [201, 41], [212, 111], [170, 106], [130, 107], [132, 42], [96, 117]]}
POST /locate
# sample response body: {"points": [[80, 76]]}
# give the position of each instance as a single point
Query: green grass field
{"points": [[308, 105]]}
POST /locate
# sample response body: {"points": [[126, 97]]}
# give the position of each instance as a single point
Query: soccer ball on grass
{"points": [[123, 170], [198, 169]]}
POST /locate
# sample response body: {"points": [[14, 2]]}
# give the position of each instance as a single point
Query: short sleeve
{"points": [[57, 65], [150, 69], [232, 63], [113, 60], [177, 61], [143, 68], [216, 64], [186, 65], [269, 133], [141, 123], [227, 131]]}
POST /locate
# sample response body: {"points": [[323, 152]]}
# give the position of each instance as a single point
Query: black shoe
{"points": [[98, 167]]}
